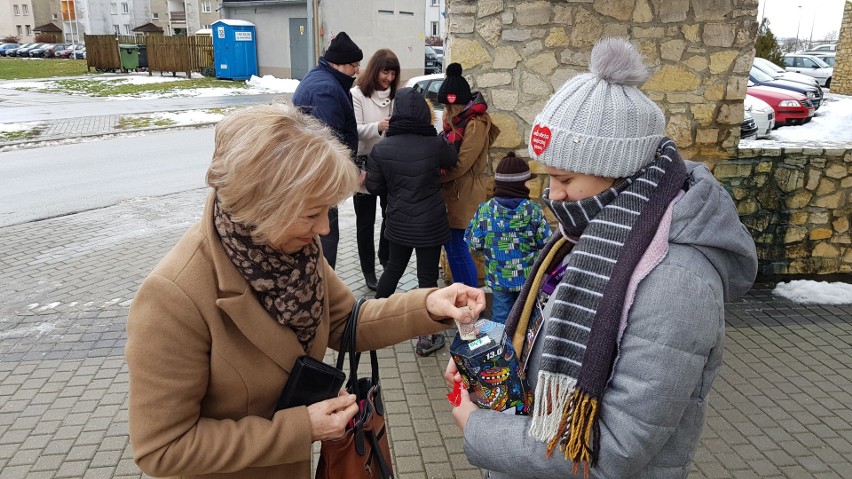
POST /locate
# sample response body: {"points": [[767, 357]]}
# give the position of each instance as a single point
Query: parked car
{"points": [[4, 47], [813, 94], [779, 72], [432, 63], [43, 51], [440, 52], [791, 108], [428, 86], [762, 113], [811, 66], [68, 52], [828, 47], [25, 52], [13, 52], [748, 129], [828, 58]]}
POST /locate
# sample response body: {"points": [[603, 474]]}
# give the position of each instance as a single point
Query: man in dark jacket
{"points": [[324, 94]]}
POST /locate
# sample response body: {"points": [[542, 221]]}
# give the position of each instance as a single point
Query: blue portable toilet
{"points": [[234, 49]]}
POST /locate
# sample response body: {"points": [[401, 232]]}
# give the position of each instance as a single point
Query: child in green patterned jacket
{"points": [[510, 230]]}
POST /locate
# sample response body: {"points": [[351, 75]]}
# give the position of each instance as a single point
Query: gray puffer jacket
{"points": [[671, 351]]}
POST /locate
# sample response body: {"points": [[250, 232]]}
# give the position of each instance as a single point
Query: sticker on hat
{"points": [[451, 98], [540, 139]]}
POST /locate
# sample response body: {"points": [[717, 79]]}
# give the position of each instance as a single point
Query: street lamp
{"points": [[796, 46]]}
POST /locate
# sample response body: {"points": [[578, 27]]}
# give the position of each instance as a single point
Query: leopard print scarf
{"points": [[290, 287]]}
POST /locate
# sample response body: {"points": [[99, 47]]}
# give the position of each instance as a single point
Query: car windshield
{"points": [[767, 65], [819, 62], [775, 75], [758, 74], [429, 50]]}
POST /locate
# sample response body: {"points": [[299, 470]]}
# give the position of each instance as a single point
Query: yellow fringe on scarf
{"points": [[580, 414]]}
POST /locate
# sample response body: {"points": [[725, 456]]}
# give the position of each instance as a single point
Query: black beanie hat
{"points": [[455, 90], [511, 177], [343, 50]]}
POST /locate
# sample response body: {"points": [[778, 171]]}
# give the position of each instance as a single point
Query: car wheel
{"points": [[828, 83]]}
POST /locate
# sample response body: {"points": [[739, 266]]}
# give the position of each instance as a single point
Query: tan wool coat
{"points": [[464, 184], [207, 364]]}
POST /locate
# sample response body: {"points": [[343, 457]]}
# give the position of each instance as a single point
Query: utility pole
{"points": [[796, 46], [811, 38]]}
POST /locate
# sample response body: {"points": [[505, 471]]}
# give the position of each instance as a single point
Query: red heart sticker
{"points": [[540, 139], [451, 98]]}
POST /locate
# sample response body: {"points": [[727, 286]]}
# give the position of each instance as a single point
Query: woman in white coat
{"points": [[372, 99]]}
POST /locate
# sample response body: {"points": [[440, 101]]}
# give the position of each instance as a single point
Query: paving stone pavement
{"points": [[781, 408]]}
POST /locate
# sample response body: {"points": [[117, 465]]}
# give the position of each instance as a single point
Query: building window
{"points": [[20, 30], [125, 8], [436, 3], [25, 9], [113, 8], [155, 16], [434, 29], [127, 29], [205, 26], [205, 7], [116, 29], [29, 30], [17, 10], [55, 16]]}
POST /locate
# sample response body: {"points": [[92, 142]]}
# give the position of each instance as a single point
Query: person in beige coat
{"points": [[215, 329], [468, 127]]}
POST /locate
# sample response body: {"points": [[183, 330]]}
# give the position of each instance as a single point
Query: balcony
{"points": [[178, 17]]}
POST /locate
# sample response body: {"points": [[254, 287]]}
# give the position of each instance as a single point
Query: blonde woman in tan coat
{"points": [[468, 127], [215, 329]]}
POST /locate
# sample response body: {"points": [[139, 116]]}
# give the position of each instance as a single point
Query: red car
{"points": [[791, 108]]}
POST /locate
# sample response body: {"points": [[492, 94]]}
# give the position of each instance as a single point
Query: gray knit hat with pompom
{"points": [[600, 123]]}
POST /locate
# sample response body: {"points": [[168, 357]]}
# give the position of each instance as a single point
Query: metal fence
{"points": [[173, 54]]}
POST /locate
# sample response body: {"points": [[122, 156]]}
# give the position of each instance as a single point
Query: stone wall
{"points": [[518, 52], [842, 81], [797, 203]]}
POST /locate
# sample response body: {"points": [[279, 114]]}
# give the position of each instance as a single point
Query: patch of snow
{"points": [[13, 127], [188, 117], [38, 329], [270, 84], [815, 292]]}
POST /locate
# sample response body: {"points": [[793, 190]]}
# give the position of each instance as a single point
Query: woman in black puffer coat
{"points": [[406, 166]]}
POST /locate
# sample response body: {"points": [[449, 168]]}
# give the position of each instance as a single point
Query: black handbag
{"points": [[310, 381], [364, 450]]}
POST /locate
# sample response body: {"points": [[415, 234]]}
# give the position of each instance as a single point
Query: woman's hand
{"points": [[457, 301], [461, 413], [329, 417], [384, 124], [451, 374]]}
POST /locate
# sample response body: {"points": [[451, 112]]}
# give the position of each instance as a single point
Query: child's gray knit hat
{"points": [[600, 123]]}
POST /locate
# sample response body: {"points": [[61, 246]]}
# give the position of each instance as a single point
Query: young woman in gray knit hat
{"points": [[621, 323]]}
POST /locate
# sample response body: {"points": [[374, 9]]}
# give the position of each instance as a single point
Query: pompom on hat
{"points": [[343, 50], [600, 123], [510, 179], [455, 90]]}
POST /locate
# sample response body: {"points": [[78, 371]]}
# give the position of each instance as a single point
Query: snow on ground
{"points": [[829, 127], [13, 127], [814, 292], [187, 117]]}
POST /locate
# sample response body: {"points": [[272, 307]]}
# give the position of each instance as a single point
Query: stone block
{"points": [[798, 200], [488, 7], [560, 76], [789, 179], [679, 129], [616, 30], [671, 10], [488, 80], [820, 234], [505, 100], [649, 32], [831, 201], [556, 37], [674, 78], [819, 217], [586, 31], [469, 53], [509, 136], [460, 24], [719, 34], [736, 88], [533, 13], [799, 218], [531, 47], [690, 32], [763, 167], [709, 10], [618, 9], [642, 12], [795, 234], [516, 35], [747, 207], [685, 98], [543, 63], [841, 225], [836, 171], [535, 86], [722, 61], [730, 114], [507, 17], [489, 29], [563, 15], [826, 186], [672, 50], [826, 250], [505, 58]]}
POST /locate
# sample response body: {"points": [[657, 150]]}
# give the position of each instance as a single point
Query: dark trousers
{"points": [[329, 241], [365, 224], [427, 267]]}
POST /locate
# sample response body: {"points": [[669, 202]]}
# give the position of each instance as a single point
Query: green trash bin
{"points": [[129, 54]]}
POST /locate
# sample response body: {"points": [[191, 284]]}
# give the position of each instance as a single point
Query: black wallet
{"points": [[310, 381]]}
